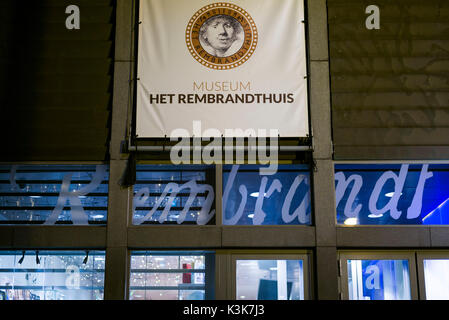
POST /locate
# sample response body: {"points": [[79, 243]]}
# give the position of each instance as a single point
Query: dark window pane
{"points": [[174, 194], [54, 194]]}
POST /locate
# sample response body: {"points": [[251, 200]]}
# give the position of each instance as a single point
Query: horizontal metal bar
{"points": [[140, 181], [49, 288], [35, 222], [168, 270], [170, 223], [181, 287], [19, 182], [236, 148], [171, 208], [16, 270], [48, 208], [179, 195], [46, 194], [55, 252], [391, 161]]}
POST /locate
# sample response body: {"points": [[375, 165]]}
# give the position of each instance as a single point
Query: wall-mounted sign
{"points": [[231, 65], [392, 194]]}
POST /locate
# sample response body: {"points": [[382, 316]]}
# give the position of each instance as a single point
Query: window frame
{"points": [[282, 167], [344, 256], [382, 162], [58, 222], [208, 271], [303, 255], [210, 178], [427, 255], [88, 253]]}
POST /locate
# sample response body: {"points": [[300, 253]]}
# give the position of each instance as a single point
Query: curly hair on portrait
{"points": [[234, 23]]}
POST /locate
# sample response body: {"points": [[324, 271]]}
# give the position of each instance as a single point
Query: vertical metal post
{"points": [[117, 259], [323, 187]]}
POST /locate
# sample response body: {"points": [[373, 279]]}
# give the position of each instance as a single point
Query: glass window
{"points": [[250, 198], [53, 194], [392, 194], [269, 280], [52, 275], [174, 194], [436, 279], [171, 275], [378, 280]]}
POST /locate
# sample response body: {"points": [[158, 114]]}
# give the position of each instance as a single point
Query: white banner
{"points": [[231, 65]]}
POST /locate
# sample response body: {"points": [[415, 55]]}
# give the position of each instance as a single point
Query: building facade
{"points": [[361, 213]]}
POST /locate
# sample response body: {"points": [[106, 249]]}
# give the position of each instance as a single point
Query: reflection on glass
{"points": [[155, 191], [168, 276], [56, 194], [250, 198], [270, 280], [378, 280], [392, 194], [436, 278], [57, 276]]}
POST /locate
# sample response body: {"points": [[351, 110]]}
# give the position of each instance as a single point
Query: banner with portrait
{"points": [[238, 67]]}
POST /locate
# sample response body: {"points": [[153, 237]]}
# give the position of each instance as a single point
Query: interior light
{"points": [[374, 215], [98, 216], [390, 194], [35, 197], [273, 268], [256, 194], [251, 215], [437, 208], [351, 221]]}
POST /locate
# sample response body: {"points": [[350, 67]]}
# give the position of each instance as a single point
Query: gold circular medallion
{"points": [[221, 36]]}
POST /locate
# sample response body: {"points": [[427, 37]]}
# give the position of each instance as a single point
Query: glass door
{"points": [[270, 276], [378, 276], [433, 273]]}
